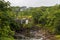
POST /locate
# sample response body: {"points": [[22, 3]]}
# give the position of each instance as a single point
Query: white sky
{"points": [[33, 3]]}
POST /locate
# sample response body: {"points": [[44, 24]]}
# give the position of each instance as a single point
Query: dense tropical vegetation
{"points": [[47, 18]]}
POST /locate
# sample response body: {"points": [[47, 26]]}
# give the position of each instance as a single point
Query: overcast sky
{"points": [[33, 3]]}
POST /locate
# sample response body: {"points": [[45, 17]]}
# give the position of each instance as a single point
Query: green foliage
{"points": [[6, 38], [57, 21], [4, 5], [43, 17], [5, 32], [46, 17]]}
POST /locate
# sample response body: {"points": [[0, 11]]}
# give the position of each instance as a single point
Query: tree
{"points": [[57, 22], [5, 32]]}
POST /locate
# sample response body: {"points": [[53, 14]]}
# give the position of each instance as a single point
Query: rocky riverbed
{"points": [[35, 35]]}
